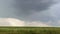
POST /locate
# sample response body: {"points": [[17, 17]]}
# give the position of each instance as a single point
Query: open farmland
{"points": [[29, 30]]}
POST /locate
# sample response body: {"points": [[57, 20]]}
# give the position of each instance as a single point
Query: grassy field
{"points": [[29, 30]]}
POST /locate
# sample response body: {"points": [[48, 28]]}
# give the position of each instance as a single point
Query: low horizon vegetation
{"points": [[29, 30]]}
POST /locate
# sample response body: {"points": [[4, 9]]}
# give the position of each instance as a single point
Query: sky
{"points": [[31, 12]]}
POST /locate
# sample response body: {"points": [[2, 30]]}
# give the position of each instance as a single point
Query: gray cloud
{"points": [[31, 10], [26, 7], [7, 10], [33, 4], [22, 8]]}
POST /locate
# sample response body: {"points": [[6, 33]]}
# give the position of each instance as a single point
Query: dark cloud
{"points": [[30, 10], [26, 6]]}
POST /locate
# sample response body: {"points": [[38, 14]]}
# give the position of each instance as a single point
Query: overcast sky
{"points": [[29, 11]]}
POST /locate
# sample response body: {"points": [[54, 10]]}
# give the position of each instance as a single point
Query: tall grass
{"points": [[29, 30]]}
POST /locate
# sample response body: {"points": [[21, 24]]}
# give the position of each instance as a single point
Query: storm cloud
{"points": [[39, 10], [26, 7], [45, 11]]}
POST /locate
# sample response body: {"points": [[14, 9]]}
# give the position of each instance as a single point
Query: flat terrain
{"points": [[29, 30]]}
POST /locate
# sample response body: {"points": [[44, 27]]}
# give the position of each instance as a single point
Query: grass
{"points": [[29, 30]]}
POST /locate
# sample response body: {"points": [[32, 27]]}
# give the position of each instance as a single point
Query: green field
{"points": [[29, 30]]}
